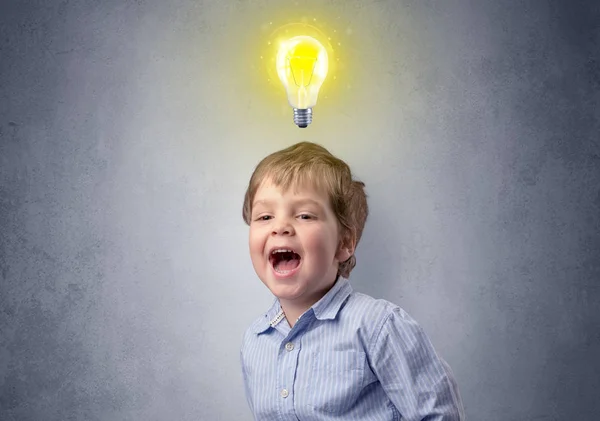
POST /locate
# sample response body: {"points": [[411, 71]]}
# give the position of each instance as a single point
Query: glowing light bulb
{"points": [[302, 67]]}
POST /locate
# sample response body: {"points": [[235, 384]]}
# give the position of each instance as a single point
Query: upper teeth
{"points": [[282, 251]]}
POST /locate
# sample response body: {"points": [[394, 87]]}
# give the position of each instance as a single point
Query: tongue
{"points": [[287, 264]]}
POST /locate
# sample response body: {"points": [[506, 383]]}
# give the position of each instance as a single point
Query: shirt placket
{"points": [[288, 363], [287, 368]]}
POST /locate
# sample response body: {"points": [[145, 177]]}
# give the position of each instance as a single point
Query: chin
{"points": [[286, 292]]}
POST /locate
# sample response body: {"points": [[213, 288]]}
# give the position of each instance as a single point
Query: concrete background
{"points": [[128, 133]]}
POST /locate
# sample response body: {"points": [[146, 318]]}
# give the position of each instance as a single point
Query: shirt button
{"points": [[284, 393], [289, 346]]}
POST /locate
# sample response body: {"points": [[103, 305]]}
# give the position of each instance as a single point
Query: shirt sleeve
{"points": [[246, 383], [419, 383]]}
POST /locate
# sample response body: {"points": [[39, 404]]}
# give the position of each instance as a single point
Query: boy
{"points": [[323, 352]]}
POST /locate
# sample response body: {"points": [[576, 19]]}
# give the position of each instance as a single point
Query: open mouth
{"points": [[284, 261]]}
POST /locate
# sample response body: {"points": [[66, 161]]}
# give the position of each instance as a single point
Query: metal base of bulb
{"points": [[302, 117]]}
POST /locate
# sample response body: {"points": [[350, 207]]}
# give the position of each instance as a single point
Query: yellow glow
{"points": [[302, 66]]}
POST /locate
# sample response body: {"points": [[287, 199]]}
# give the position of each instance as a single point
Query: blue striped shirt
{"points": [[349, 357]]}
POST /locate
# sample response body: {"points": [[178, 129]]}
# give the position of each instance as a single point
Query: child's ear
{"points": [[345, 249]]}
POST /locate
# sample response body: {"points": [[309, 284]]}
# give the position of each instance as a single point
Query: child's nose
{"points": [[283, 228]]}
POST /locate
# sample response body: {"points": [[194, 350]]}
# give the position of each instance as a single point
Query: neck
{"points": [[292, 312]]}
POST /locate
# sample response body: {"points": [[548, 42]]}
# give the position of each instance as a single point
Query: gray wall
{"points": [[128, 132]]}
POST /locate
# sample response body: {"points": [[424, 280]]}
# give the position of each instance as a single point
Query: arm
{"points": [[246, 384], [419, 383]]}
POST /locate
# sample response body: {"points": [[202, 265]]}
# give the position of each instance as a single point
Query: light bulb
{"points": [[302, 67]]}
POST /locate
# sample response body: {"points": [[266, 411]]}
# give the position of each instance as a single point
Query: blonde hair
{"points": [[308, 163]]}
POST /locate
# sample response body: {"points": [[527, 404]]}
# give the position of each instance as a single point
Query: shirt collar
{"points": [[326, 308]]}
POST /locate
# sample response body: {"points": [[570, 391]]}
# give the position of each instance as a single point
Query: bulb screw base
{"points": [[302, 117]]}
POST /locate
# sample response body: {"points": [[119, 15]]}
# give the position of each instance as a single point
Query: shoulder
{"points": [[260, 324], [376, 315], [370, 315], [383, 323], [253, 329], [371, 309]]}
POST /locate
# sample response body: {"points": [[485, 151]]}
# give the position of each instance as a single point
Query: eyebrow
{"points": [[298, 202]]}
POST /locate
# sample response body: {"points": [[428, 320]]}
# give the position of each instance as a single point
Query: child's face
{"points": [[300, 220]]}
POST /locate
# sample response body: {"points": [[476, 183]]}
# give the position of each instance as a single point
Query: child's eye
{"points": [[305, 216], [263, 218]]}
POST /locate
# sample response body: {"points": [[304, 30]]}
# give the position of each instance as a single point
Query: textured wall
{"points": [[128, 131]]}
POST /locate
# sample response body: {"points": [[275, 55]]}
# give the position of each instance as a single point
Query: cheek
{"points": [[322, 247], [255, 242]]}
